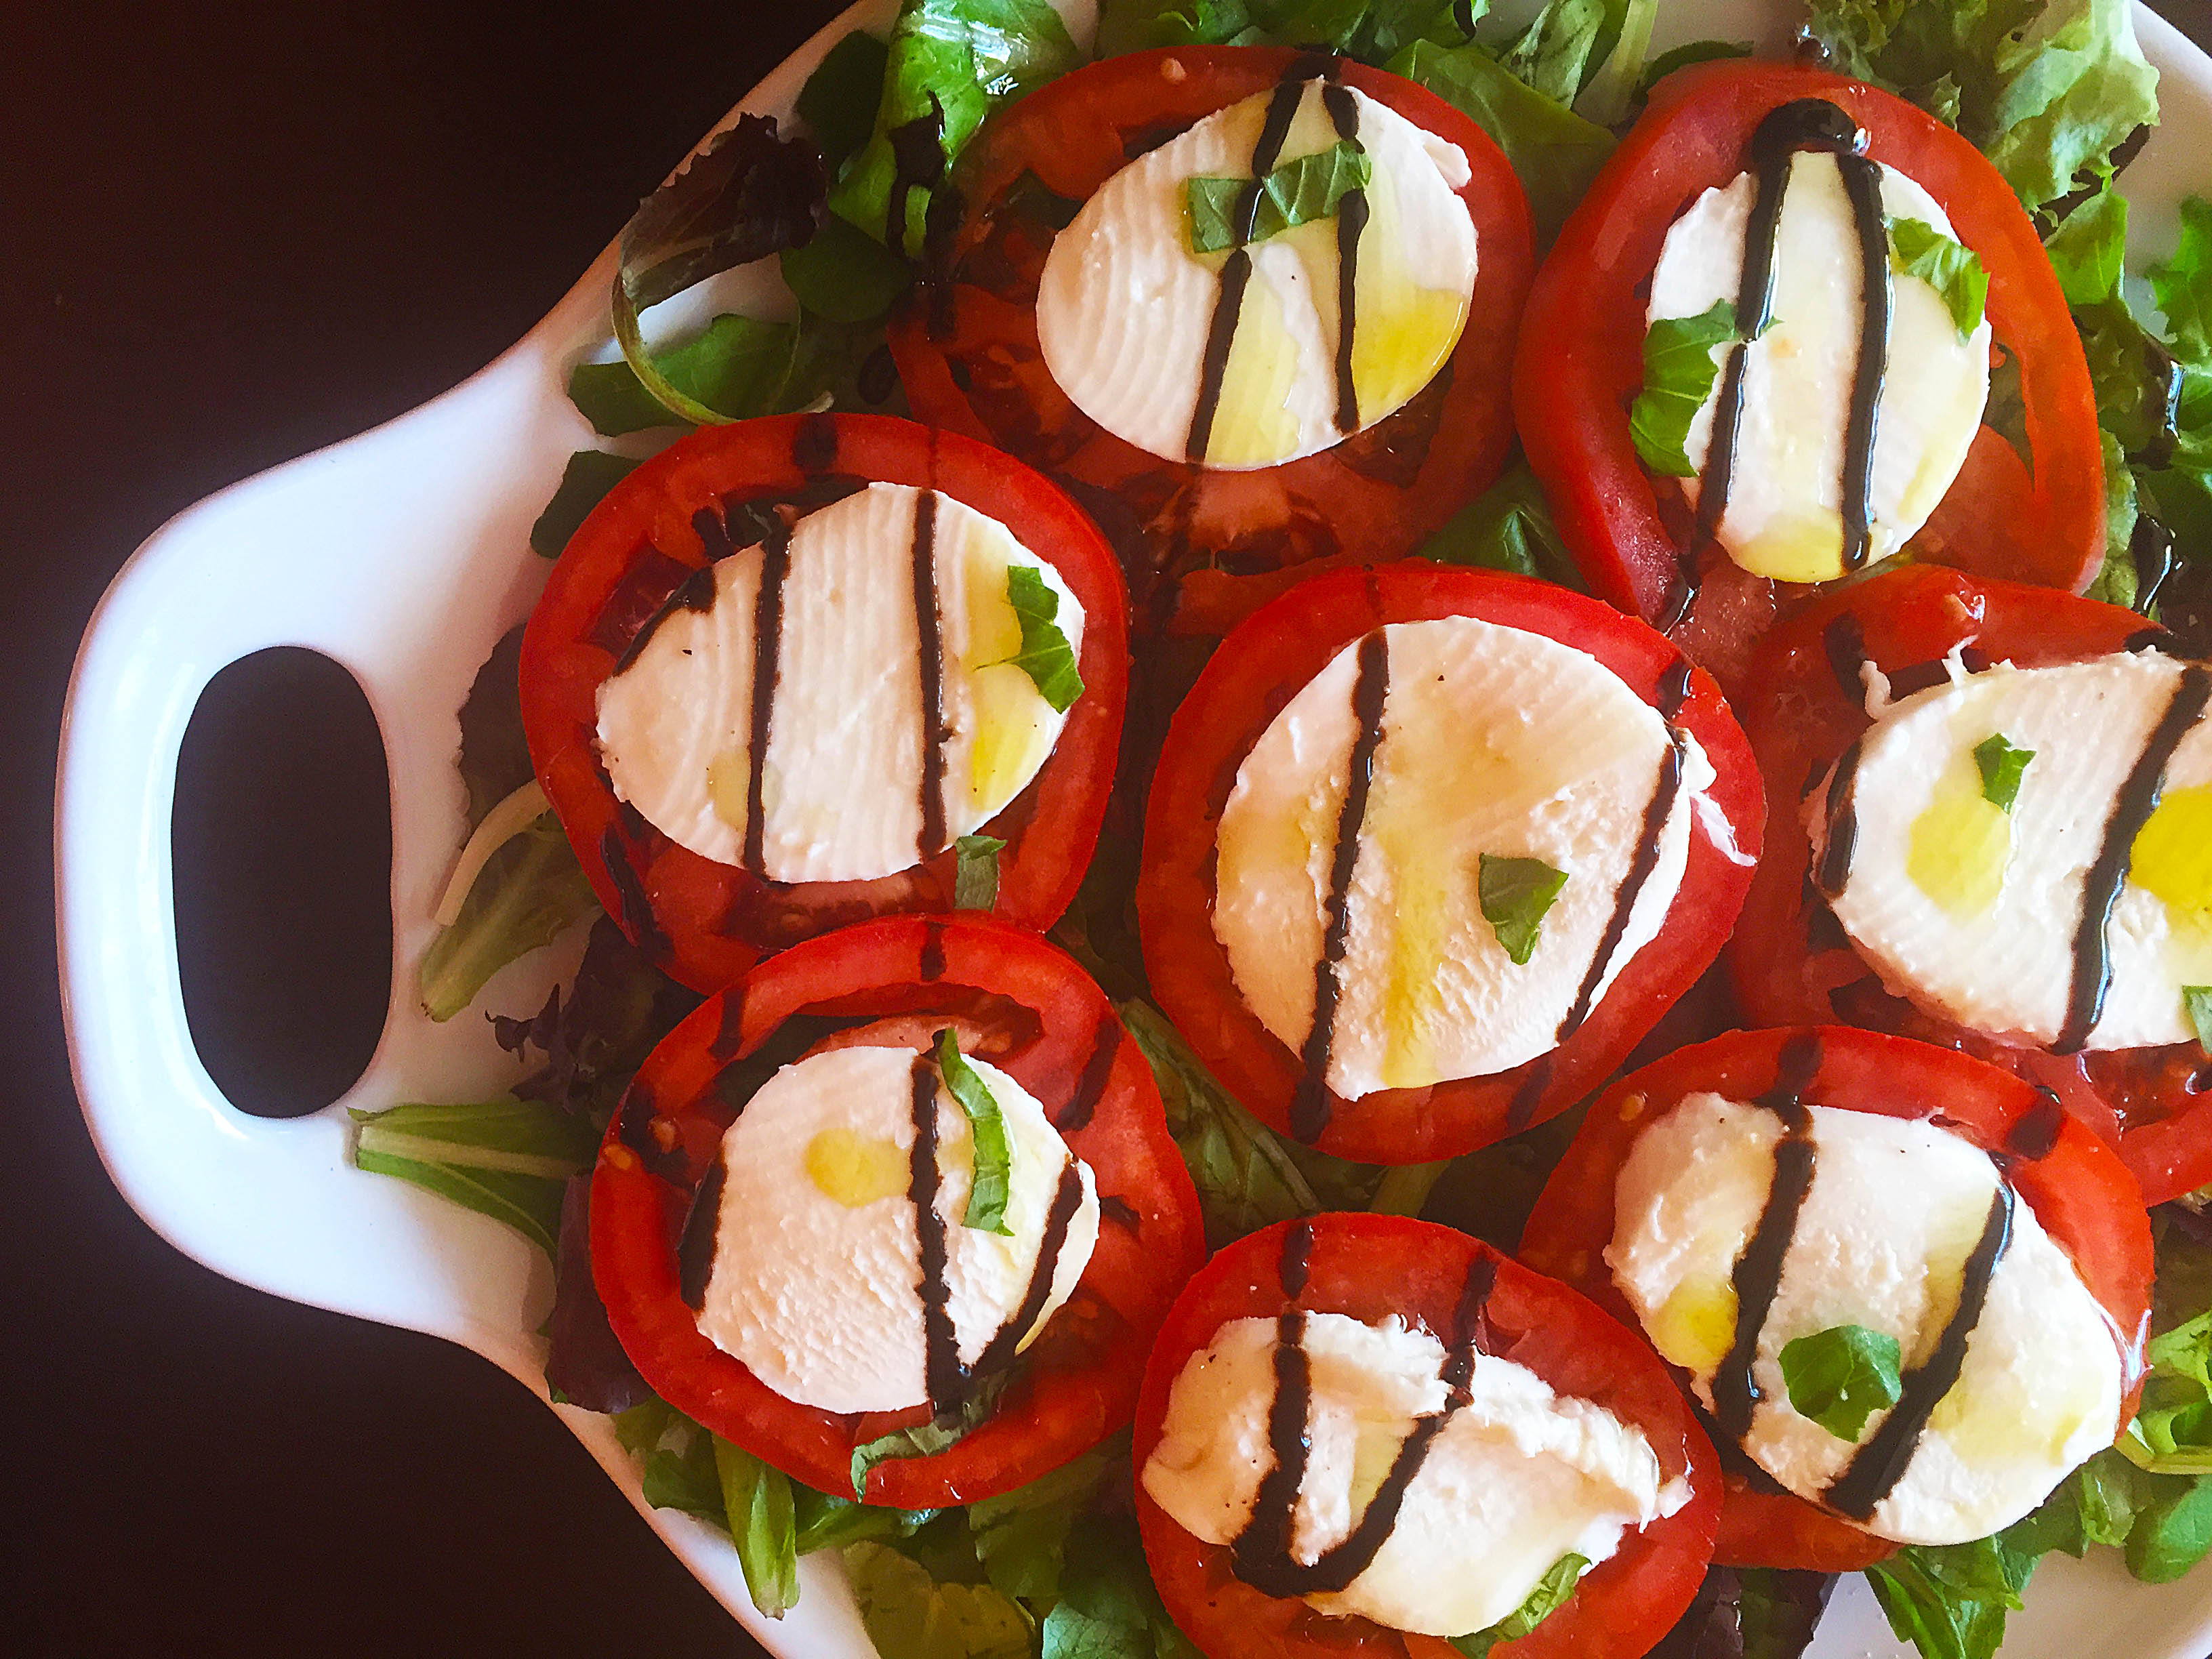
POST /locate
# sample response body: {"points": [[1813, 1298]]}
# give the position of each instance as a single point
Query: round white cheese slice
{"points": [[1784, 502], [1518, 1477], [817, 1263], [1895, 1208], [843, 778], [1971, 910], [1125, 304], [1494, 741]]}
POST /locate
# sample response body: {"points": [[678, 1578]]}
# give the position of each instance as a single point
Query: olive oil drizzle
{"points": [[1880, 1464], [1758, 1273], [1309, 1108], [930, 657], [2100, 886], [1351, 224]]}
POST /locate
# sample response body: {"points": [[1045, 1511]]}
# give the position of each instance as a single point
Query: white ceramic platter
{"points": [[421, 561]]}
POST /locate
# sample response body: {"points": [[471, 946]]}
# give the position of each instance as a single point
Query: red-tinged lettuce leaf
{"points": [[750, 194], [592, 1041], [586, 1365], [1749, 1614], [494, 755]]}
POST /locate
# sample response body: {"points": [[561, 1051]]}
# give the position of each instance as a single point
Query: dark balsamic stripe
{"points": [[1758, 1273], [944, 1377], [2100, 887], [1521, 1110], [1119, 1211], [729, 1032], [1841, 810], [768, 640], [696, 593], [2150, 543], [930, 655], [1258, 1555], [1296, 1263], [814, 447], [1066, 1199], [1657, 811], [2034, 1135], [1351, 224], [1309, 1108], [714, 532], [1863, 184], [917, 159], [1090, 1087], [746, 1075], [932, 952], [1673, 690], [2154, 638], [1880, 1464], [632, 904], [1845, 641], [1236, 274], [694, 1247]]}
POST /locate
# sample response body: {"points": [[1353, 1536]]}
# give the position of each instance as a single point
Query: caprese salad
{"points": [[1091, 747]]}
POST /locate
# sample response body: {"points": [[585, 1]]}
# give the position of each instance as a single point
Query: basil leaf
{"points": [[988, 1192], [838, 102], [1841, 1377], [1555, 152], [2088, 248], [1679, 371], [928, 1439], [1508, 527], [976, 878], [2183, 284], [1296, 193], [2198, 1000], [2001, 766], [1954, 271], [1021, 1537], [1516, 892], [907, 1613], [1045, 656], [585, 482], [1552, 53], [509, 1159], [1550, 1595], [735, 369], [756, 1507]]}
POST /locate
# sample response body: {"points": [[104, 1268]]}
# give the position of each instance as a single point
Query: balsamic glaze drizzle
{"points": [[695, 1246], [1758, 1273], [2034, 1135], [768, 640], [1309, 1108], [1841, 808], [696, 593], [944, 1376], [1880, 1463], [1863, 184], [999, 1351], [1090, 1087], [1351, 223], [2100, 886], [930, 655]]}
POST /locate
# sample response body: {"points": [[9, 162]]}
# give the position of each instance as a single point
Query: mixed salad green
{"points": [[2059, 96]]}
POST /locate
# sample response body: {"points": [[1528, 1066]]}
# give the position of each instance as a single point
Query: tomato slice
{"points": [[1791, 964], [1204, 548], [2080, 1193], [1581, 360], [705, 922], [1256, 670], [1030, 1011], [1373, 1267]]}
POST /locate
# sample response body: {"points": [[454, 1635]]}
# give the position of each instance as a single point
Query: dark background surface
{"points": [[226, 240]]}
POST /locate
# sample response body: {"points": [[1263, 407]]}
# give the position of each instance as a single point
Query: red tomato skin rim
{"points": [[1911, 615], [1059, 1412], [1580, 360], [1658, 1568], [1050, 828], [2080, 1192], [1284, 645], [1482, 361]]}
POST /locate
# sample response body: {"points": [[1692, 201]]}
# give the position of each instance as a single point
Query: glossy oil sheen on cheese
{"points": [[816, 1256], [842, 784], [1125, 305], [1971, 912], [1895, 1208], [1494, 740], [1784, 517], [1518, 1477]]}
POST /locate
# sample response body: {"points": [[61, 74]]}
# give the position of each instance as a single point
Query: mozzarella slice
{"points": [[1518, 1477], [817, 1265], [1894, 1209], [1972, 912], [841, 783], [1124, 305], [1494, 740], [1784, 516]]}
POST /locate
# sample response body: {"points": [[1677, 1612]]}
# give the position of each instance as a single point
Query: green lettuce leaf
{"points": [[838, 102], [1950, 1601], [738, 367], [1610, 91], [975, 875], [993, 1165], [1516, 893], [909, 1614], [1107, 1606], [1139, 25], [527, 894], [824, 1521], [756, 1508], [1045, 656], [845, 276], [585, 482], [1296, 193], [948, 64], [1550, 1595], [1021, 1538], [1690, 52], [509, 1159], [2198, 999], [2088, 248], [2115, 582], [1679, 371], [1954, 272], [683, 1476], [1841, 1377], [1551, 53], [1508, 527], [2183, 284]]}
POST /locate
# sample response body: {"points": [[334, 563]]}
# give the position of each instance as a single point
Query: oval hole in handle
{"points": [[281, 839]]}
